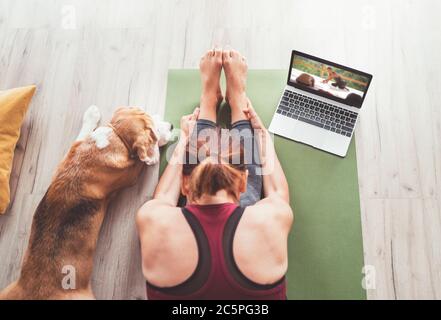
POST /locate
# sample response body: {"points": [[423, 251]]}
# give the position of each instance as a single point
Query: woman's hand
{"points": [[253, 117], [188, 122]]}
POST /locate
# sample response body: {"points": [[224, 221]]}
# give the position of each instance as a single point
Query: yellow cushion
{"points": [[13, 106]]}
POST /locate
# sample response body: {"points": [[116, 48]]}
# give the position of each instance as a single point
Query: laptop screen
{"points": [[328, 79]]}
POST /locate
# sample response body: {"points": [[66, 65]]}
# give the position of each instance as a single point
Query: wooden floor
{"points": [[112, 53]]}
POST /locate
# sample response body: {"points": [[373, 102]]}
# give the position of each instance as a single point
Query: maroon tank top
{"points": [[216, 276]]}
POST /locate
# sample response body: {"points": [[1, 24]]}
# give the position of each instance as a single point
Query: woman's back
{"points": [[217, 273]]}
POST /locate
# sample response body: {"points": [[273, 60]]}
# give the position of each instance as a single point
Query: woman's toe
{"points": [[226, 55], [218, 52]]}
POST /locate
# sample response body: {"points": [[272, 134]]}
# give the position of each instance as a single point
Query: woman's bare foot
{"points": [[236, 68], [211, 96]]}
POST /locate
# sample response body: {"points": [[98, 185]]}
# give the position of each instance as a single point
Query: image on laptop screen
{"points": [[328, 80]]}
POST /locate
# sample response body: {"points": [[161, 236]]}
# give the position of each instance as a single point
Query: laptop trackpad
{"points": [[309, 134], [297, 130]]}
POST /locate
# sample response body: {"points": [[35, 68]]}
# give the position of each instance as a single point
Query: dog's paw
{"points": [[163, 130], [92, 116], [153, 157]]}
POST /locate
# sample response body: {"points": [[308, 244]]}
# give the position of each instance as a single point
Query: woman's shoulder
{"points": [[156, 212], [268, 211], [272, 205]]}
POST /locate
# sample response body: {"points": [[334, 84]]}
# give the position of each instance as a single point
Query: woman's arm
{"points": [[330, 77], [272, 215], [274, 180], [169, 186]]}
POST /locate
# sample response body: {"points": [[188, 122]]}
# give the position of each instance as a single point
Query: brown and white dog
{"points": [[67, 221]]}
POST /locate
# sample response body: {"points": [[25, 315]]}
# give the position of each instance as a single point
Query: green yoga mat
{"points": [[325, 244]]}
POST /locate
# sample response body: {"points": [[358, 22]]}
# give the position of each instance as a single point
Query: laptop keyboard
{"points": [[318, 113]]}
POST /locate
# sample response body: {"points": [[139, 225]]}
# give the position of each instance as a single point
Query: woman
{"points": [[339, 82], [226, 243]]}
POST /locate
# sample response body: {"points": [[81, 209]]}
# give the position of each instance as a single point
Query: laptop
{"points": [[321, 103]]}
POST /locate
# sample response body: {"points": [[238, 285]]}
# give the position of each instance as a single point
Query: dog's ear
{"points": [[146, 146]]}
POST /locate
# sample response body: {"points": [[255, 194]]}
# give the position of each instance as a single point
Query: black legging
{"points": [[245, 131], [339, 82]]}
